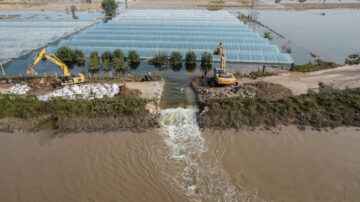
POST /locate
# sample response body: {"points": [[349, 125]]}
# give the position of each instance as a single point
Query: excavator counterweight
{"points": [[67, 77]]}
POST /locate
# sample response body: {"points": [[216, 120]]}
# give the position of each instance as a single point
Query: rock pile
{"points": [[87, 91], [206, 93], [19, 89], [265, 90]]}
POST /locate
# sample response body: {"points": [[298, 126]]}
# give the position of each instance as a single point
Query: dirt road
{"points": [[341, 77]]}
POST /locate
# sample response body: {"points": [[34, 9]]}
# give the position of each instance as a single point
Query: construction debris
{"points": [[19, 89]]}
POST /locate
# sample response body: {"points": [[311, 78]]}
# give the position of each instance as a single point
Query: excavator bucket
{"points": [[30, 71]]}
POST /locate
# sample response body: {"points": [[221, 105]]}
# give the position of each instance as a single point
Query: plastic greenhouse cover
{"points": [[33, 30], [151, 31]]}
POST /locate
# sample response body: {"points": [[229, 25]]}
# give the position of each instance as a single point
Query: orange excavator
{"points": [[66, 79], [221, 76]]}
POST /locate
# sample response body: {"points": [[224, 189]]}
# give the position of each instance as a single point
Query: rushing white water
{"points": [[201, 178]]}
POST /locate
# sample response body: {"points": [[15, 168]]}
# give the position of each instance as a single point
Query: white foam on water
{"points": [[201, 179]]}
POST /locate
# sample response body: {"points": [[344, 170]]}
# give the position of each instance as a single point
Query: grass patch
{"points": [[318, 65], [258, 74], [323, 109], [116, 112]]}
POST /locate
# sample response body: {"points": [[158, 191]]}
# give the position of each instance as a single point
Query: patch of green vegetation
{"points": [[206, 59], [107, 60], [257, 74], [29, 106], [94, 61], [70, 57], [80, 114], [109, 7], [190, 57], [176, 58], [79, 57], [73, 11], [318, 65], [267, 35], [324, 109], [160, 59], [353, 59], [119, 60], [133, 57]]}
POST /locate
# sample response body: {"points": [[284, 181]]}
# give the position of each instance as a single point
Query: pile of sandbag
{"points": [[19, 89], [87, 91]]}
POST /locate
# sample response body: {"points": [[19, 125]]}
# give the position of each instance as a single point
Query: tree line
{"points": [[119, 61]]}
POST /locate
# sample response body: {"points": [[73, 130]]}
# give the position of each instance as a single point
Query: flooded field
{"points": [[181, 163], [328, 34]]}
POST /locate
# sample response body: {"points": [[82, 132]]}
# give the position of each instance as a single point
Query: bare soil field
{"points": [[305, 6], [299, 83], [211, 5], [51, 6]]}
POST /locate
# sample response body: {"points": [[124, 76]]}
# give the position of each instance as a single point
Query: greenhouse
{"points": [[152, 31], [33, 30]]}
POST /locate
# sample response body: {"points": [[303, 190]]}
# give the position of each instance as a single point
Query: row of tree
{"points": [[119, 61], [176, 58], [116, 59]]}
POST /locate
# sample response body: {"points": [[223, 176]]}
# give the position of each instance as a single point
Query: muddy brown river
{"points": [[179, 162]]}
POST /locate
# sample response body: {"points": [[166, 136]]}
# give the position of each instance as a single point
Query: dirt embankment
{"points": [[134, 106], [264, 104], [264, 90]]}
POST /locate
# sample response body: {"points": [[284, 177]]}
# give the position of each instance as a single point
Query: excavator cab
{"points": [[72, 79], [66, 79]]}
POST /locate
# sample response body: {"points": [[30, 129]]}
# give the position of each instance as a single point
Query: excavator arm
{"points": [[59, 63], [223, 62], [42, 55]]}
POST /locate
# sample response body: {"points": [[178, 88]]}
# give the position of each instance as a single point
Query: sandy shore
{"points": [[287, 164]]}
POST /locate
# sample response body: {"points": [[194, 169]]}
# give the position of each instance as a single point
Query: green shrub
{"points": [[119, 60], [65, 54], [70, 57], [176, 58], [257, 74], [73, 11], [107, 60], [94, 61], [353, 59], [160, 59], [206, 59], [109, 7], [190, 57], [133, 57], [318, 65], [267, 35], [79, 58]]}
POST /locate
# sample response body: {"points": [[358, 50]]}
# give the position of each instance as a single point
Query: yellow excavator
{"points": [[221, 76], [66, 79]]}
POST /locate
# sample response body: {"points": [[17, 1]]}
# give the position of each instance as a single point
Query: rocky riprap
{"points": [[266, 90]]}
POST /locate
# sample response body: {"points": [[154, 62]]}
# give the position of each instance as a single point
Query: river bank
{"points": [[267, 102], [105, 105]]}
